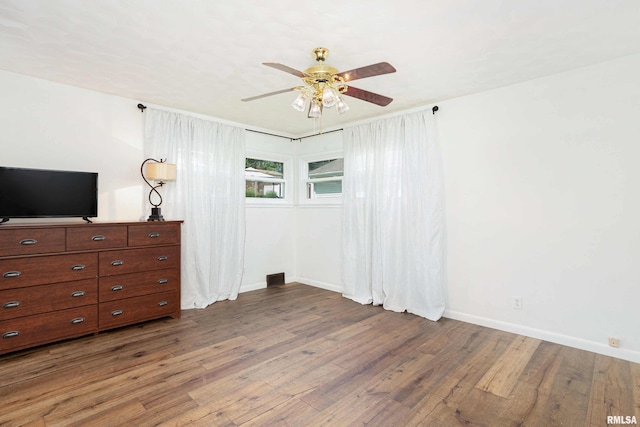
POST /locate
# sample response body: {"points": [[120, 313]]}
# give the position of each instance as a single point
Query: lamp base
{"points": [[156, 215]]}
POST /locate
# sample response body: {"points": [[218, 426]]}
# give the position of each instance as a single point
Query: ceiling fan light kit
{"points": [[325, 86]]}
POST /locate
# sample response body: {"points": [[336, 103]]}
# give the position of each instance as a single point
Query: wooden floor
{"points": [[300, 356]]}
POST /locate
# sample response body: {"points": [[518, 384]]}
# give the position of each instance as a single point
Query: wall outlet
{"points": [[516, 303], [614, 342]]}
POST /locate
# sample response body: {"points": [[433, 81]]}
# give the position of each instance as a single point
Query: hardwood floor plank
{"points": [[359, 409], [364, 365], [564, 398], [202, 416], [293, 412], [442, 374], [421, 413], [501, 378], [296, 355], [239, 398], [119, 414], [612, 390]]}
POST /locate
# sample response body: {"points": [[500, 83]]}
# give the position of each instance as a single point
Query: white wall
{"points": [[52, 126], [319, 226], [270, 236], [542, 197], [301, 240]]}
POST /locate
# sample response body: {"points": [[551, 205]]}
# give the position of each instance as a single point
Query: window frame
{"points": [[286, 179], [304, 181]]}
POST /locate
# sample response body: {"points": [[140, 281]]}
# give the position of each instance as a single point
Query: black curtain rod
{"points": [[319, 133], [142, 107], [270, 134]]}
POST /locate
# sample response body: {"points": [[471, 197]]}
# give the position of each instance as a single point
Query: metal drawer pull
{"points": [[10, 334], [28, 242], [98, 238], [162, 303], [117, 262], [9, 274], [163, 258], [77, 294], [116, 312], [162, 281], [154, 234], [78, 267], [117, 288], [11, 304], [77, 320]]}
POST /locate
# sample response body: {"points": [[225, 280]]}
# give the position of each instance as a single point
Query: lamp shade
{"points": [[161, 171]]}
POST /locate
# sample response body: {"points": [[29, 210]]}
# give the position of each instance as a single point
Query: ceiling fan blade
{"points": [[286, 69], [368, 71], [268, 94], [365, 95]]}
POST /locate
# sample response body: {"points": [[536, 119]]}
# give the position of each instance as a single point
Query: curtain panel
{"points": [[208, 195], [393, 227]]}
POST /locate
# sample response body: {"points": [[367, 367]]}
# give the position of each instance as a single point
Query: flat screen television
{"points": [[42, 193]]}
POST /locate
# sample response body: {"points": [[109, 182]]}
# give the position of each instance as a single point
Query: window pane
{"points": [[325, 187], [326, 168], [257, 168], [267, 190]]}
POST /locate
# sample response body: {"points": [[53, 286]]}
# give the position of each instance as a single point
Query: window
{"points": [[324, 178], [264, 179]]}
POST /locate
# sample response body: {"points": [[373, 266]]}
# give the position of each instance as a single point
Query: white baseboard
{"points": [[567, 340], [253, 287], [317, 284]]}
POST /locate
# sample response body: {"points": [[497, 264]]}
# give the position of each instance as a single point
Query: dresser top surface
{"points": [[22, 225]]}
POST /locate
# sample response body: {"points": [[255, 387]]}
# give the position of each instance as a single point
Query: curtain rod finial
{"points": [[142, 107], [434, 109]]}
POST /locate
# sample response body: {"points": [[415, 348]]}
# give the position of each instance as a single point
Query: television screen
{"points": [[40, 193]]}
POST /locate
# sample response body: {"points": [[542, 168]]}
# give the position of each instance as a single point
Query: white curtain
{"points": [[393, 228], [208, 195]]}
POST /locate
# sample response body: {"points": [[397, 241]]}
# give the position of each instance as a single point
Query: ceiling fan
{"points": [[324, 86]]}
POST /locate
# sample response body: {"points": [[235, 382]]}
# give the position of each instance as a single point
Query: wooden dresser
{"points": [[60, 281]]}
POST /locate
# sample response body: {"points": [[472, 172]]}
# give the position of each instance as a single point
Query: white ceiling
{"points": [[203, 56]]}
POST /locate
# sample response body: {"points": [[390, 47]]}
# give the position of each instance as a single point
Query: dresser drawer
{"points": [[41, 299], [24, 332], [134, 260], [19, 241], [131, 310], [38, 270], [136, 284], [146, 234], [96, 237]]}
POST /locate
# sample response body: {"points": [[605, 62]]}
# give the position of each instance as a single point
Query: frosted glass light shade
{"points": [[314, 110], [328, 97], [298, 103], [160, 171], [341, 106]]}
